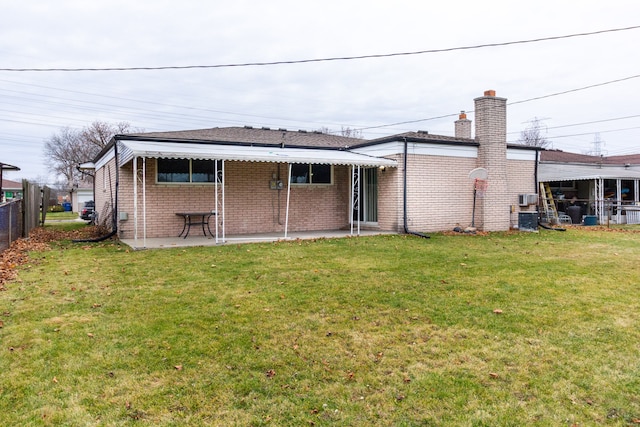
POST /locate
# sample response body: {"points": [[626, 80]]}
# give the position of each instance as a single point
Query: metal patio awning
{"points": [[132, 150], [178, 150], [569, 172]]}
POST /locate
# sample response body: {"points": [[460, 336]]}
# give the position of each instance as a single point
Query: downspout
{"points": [[114, 214], [536, 184], [404, 194]]}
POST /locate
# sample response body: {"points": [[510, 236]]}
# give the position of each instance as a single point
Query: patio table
{"points": [[195, 218]]}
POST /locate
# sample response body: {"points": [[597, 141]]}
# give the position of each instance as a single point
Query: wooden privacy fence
{"points": [[36, 202], [19, 217]]}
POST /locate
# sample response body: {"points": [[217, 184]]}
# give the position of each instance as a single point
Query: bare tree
{"points": [[99, 133], [532, 135], [351, 133], [345, 131], [68, 148], [64, 151]]}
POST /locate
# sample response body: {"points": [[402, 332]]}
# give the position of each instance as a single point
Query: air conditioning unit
{"points": [[527, 199]]}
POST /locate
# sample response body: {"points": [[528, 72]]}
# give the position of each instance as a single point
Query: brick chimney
{"points": [[463, 126], [491, 135]]}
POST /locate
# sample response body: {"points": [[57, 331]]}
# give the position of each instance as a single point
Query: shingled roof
{"points": [[9, 185], [558, 156], [249, 135], [421, 136], [566, 157]]}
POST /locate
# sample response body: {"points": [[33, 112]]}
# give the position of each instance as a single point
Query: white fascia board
{"points": [[106, 158], [419, 148], [515, 154]]}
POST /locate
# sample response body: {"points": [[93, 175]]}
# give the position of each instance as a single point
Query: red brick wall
{"points": [[250, 205], [105, 192], [521, 180], [440, 197], [390, 197], [439, 192]]}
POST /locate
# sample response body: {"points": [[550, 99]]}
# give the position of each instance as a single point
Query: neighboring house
{"points": [[83, 194], [276, 180], [607, 187], [10, 190]]}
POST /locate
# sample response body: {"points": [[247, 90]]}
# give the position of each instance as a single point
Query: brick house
{"points": [[277, 180]]}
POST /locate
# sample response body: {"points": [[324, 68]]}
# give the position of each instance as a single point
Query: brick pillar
{"points": [[491, 135], [463, 126]]}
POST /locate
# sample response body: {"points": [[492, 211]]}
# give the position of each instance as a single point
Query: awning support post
{"points": [[618, 201], [224, 179], [355, 197], [359, 197], [351, 188], [135, 202], [144, 202], [215, 187], [599, 199]]}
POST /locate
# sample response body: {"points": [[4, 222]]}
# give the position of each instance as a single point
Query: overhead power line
{"points": [[585, 123], [338, 58], [510, 103], [574, 90], [588, 133]]}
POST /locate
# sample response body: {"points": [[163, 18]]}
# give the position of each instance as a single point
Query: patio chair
{"points": [[565, 219]]}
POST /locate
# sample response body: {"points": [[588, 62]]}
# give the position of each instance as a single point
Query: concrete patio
{"points": [[200, 240]]}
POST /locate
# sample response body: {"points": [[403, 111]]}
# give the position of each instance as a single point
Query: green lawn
{"points": [[53, 216], [508, 329]]}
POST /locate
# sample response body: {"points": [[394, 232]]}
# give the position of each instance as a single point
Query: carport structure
{"points": [[139, 151]]}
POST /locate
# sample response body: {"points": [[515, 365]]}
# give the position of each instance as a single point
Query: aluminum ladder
{"points": [[548, 204]]}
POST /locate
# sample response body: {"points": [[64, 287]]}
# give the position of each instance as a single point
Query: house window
{"points": [[306, 173], [187, 171]]}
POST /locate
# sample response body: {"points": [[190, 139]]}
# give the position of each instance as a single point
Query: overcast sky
{"points": [[363, 94]]}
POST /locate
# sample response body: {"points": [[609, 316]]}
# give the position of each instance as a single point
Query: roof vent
{"points": [[266, 128], [248, 127], [424, 132], [302, 131], [282, 129]]}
